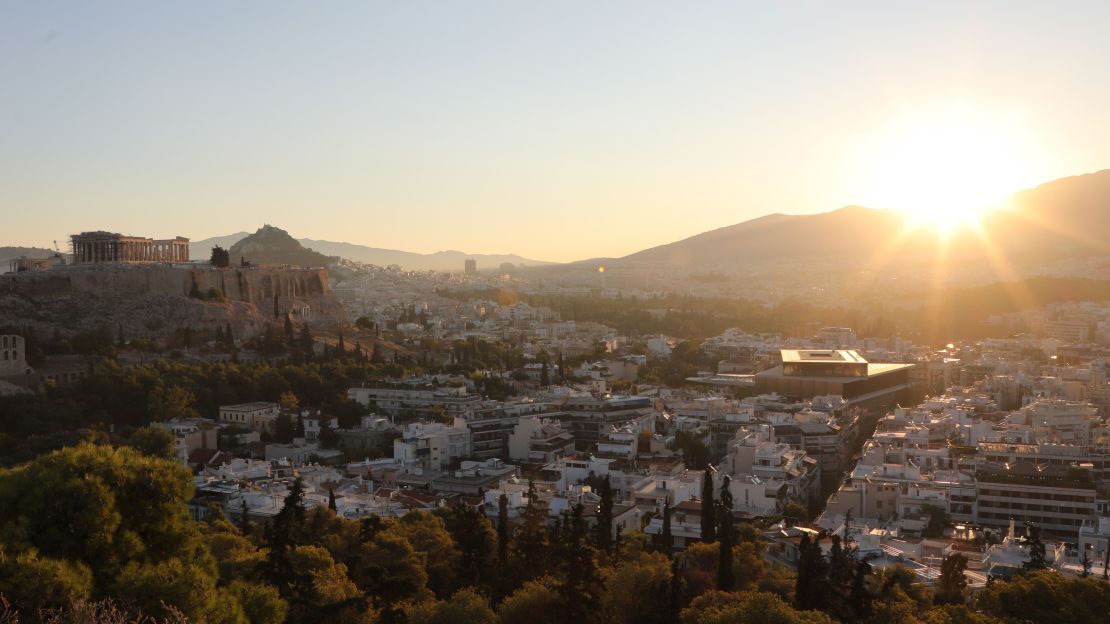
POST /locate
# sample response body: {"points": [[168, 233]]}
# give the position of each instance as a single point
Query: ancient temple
{"points": [[96, 247]]}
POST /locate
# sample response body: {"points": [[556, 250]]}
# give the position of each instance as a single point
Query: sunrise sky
{"points": [[556, 130]]}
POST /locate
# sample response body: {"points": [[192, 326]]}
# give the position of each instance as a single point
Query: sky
{"points": [[555, 130]]}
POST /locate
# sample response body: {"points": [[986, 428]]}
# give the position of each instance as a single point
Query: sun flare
{"points": [[947, 171]]}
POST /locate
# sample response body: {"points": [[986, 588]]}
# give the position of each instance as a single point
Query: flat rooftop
{"points": [[838, 356]]}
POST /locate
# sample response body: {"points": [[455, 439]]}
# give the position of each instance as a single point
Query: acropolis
{"points": [[97, 247]]}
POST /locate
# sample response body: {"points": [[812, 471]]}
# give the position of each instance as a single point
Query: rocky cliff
{"points": [[157, 302]]}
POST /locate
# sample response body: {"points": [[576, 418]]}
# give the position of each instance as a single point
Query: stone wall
{"points": [[154, 300]]}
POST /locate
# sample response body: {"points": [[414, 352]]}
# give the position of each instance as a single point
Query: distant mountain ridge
{"points": [[439, 261], [1065, 217]]}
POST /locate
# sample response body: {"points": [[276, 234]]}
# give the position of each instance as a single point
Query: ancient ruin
{"points": [[97, 247]]}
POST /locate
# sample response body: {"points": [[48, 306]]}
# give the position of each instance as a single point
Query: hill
{"points": [[271, 245], [1061, 218]]}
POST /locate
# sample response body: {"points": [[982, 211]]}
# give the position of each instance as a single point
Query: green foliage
{"points": [[261, 603], [153, 441], [220, 257], [466, 605], [31, 582], [758, 608], [1046, 597], [537, 602]]}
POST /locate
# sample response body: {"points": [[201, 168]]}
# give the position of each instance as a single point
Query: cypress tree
{"points": [[708, 513], [605, 517], [331, 500], [1036, 548], [245, 520], [580, 590], [503, 531], [726, 537], [284, 535], [666, 538]]}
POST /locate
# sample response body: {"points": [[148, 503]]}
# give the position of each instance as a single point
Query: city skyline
{"points": [[557, 133]]}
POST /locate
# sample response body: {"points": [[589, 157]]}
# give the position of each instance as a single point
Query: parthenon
{"points": [[96, 247]]}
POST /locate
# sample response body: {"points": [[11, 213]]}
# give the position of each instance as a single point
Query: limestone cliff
{"points": [[154, 301]]}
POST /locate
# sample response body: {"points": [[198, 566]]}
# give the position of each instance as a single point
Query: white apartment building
{"points": [[539, 440], [435, 446]]}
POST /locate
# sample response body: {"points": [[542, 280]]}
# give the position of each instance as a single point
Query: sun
{"points": [[947, 170]]}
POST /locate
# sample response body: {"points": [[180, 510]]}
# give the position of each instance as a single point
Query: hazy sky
{"points": [[556, 130]]}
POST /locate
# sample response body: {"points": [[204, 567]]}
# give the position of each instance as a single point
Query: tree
{"points": [[107, 519], [285, 534], [536, 602], [545, 375], [811, 586], [708, 513], [727, 538], [169, 403], [1036, 548], [757, 608], [32, 582], [284, 428], [952, 584], [666, 538], [605, 518], [580, 589], [502, 531], [938, 521], [153, 441], [331, 500], [530, 540], [474, 539], [428, 535], [466, 605], [261, 603], [220, 258], [1043, 596]]}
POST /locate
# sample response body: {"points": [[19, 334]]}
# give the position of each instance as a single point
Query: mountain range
{"points": [[438, 261], [1065, 217]]}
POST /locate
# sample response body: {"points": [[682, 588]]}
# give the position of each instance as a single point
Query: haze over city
{"points": [[505, 312], [558, 132]]}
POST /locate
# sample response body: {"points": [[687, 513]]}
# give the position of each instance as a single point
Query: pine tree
{"points": [[605, 518], [331, 500], [708, 512]]}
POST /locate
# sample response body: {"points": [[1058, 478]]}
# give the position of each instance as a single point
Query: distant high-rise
{"points": [[471, 266]]}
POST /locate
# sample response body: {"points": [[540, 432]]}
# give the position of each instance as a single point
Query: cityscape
{"points": [[651, 406]]}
